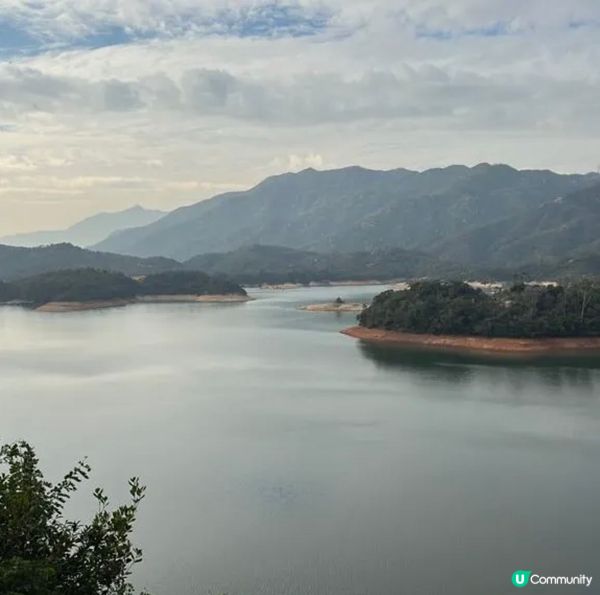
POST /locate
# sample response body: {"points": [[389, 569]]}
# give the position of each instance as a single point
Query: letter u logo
{"points": [[520, 578]]}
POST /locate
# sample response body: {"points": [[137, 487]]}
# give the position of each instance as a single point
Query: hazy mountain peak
{"points": [[88, 231]]}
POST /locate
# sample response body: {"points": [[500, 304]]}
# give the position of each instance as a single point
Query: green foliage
{"points": [[82, 285], [7, 292], [455, 308], [187, 282], [41, 553], [275, 264], [78, 285]]}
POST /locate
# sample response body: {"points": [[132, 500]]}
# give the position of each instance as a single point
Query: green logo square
{"points": [[520, 578]]}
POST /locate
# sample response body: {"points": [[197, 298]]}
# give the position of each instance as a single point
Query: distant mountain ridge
{"points": [[18, 262], [275, 264], [259, 264], [250, 264], [88, 231], [349, 210]]}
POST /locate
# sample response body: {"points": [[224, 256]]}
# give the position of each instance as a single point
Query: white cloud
{"points": [[16, 162], [299, 162]]}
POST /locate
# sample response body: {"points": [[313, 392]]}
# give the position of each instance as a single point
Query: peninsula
{"points": [[522, 319], [91, 289]]}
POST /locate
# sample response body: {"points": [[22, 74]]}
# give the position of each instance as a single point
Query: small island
{"points": [[523, 318], [338, 305], [91, 289]]}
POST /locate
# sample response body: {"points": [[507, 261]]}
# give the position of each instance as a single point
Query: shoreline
{"points": [[181, 298], [345, 283], [497, 345], [333, 307], [82, 306], [150, 299]]}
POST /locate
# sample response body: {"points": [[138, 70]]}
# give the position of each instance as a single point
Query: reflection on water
{"points": [[577, 373]]}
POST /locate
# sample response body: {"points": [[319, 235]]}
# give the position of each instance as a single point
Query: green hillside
{"points": [[17, 262], [349, 210]]}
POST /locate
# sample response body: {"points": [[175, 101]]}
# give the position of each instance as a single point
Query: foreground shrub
{"points": [[42, 553]]}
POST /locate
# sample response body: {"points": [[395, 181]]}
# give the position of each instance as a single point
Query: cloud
{"points": [[167, 101], [298, 162], [97, 23], [16, 163], [443, 98]]}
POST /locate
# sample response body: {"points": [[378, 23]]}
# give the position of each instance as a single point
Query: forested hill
{"points": [[455, 308], [84, 285], [275, 264], [259, 264], [348, 210], [251, 264], [16, 262]]}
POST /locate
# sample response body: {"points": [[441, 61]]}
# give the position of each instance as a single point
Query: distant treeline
{"points": [[81, 285], [187, 282], [258, 264], [251, 265], [455, 308]]}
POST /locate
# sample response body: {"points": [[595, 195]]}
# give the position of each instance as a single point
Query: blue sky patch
{"points": [[273, 20], [494, 30], [266, 20], [14, 40]]}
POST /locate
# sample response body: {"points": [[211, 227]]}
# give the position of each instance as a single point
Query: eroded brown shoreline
{"points": [[333, 307], [497, 345], [81, 306], [154, 299]]}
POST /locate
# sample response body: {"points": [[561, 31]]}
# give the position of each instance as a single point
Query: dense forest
{"points": [[82, 285], [77, 285], [251, 265], [257, 264], [455, 308], [187, 283]]}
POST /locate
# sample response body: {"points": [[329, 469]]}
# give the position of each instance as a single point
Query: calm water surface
{"points": [[283, 458]]}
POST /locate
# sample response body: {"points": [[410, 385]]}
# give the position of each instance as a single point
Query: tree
{"points": [[42, 553], [522, 310]]}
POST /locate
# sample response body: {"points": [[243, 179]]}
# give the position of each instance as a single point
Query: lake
{"points": [[283, 458]]}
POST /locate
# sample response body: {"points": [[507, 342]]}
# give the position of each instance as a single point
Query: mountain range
{"points": [[361, 210], [88, 231], [250, 265], [352, 223], [257, 264]]}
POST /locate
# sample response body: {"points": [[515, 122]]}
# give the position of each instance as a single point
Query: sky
{"points": [[109, 103]]}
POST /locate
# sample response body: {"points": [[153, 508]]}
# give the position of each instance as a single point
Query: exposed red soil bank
{"points": [[490, 344]]}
